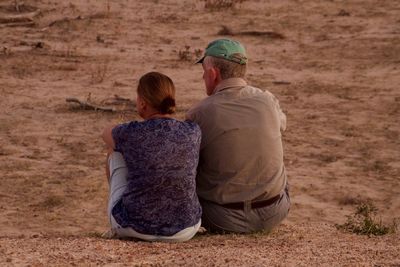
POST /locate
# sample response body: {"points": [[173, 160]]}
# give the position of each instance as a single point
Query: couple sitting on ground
{"points": [[222, 168]]}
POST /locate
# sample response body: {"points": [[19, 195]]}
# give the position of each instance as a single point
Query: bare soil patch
{"points": [[334, 66]]}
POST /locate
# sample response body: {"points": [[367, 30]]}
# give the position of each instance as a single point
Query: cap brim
{"points": [[200, 60]]}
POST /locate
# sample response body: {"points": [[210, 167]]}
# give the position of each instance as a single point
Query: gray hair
{"points": [[226, 68]]}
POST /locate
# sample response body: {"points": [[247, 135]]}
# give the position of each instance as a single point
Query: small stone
{"points": [[343, 13]]}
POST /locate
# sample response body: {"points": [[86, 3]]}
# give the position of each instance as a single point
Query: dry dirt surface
{"points": [[334, 65]]}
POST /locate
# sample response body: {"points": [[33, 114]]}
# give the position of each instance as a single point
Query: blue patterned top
{"points": [[162, 157]]}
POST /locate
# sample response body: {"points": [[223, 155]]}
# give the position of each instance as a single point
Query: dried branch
{"points": [[98, 15], [18, 24], [20, 18], [281, 82], [89, 106], [116, 100], [16, 6], [269, 34], [120, 98]]}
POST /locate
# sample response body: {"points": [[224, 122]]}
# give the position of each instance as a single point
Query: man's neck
{"points": [[229, 83]]}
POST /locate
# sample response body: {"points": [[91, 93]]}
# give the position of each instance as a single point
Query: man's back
{"points": [[241, 179], [241, 156]]}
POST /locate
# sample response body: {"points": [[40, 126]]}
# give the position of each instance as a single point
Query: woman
{"points": [[151, 168]]}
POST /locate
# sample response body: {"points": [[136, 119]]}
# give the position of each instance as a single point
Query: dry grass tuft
{"points": [[219, 4], [188, 55], [350, 200], [98, 73], [364, 222], [51, 202]]}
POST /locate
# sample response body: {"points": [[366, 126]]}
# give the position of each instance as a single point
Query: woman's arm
{"points": [[107, 137]]}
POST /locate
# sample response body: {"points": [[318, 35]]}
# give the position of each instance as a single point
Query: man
{"points": [[241, 179]]}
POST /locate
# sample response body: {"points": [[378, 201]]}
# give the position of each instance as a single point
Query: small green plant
{"points": [[363, 222]]}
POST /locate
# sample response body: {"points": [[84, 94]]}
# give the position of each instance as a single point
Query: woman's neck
{"points": [[156, 115]]}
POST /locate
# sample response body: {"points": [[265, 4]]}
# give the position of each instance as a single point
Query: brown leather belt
{"points": [[253, 205]]}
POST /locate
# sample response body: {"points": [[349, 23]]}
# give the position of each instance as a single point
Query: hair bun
{"points": [[167, 106]]}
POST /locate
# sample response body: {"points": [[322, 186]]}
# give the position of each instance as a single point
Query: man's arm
{"points": [[282, 116], [189, 116], [107, 137]]}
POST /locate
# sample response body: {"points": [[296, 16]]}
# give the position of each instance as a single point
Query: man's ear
{"points": [[216, 75]]}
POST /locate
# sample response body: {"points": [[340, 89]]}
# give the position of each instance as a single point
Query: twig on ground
{"points": [[117, 100], [18, 24], [120, 98], [16, 5], [99, 15], [86, 105], [270, 34], [281, 82], [20, 18]]}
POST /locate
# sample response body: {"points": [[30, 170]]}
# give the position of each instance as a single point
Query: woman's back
{"points": [[162, 156]]}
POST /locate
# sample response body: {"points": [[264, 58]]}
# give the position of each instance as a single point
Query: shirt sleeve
{"points": [[189, 116], [120, 134], [281, 115], [196, 116]]}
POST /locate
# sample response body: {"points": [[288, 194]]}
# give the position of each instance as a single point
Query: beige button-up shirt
{"points": [[241, 156]]}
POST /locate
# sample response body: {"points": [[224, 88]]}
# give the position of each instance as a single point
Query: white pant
{"points": [[118, 183]]}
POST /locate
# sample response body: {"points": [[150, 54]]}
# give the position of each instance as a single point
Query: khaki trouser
{"points": [[223, 220]]}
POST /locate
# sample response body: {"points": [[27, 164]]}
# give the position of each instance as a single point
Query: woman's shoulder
{"points": [[182, 128], [182, 125], [187, 125], [127, 126]]}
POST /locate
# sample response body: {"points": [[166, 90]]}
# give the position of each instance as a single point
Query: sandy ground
{"points": [[336, 72]]}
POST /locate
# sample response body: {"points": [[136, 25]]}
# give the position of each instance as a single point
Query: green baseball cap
{"points": [[227, 49]]}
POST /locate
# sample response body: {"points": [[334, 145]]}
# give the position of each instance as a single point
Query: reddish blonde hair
{"points": [[158, 90]]}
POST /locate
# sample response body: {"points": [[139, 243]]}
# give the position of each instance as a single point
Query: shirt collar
{"points": [[228, 83]]}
